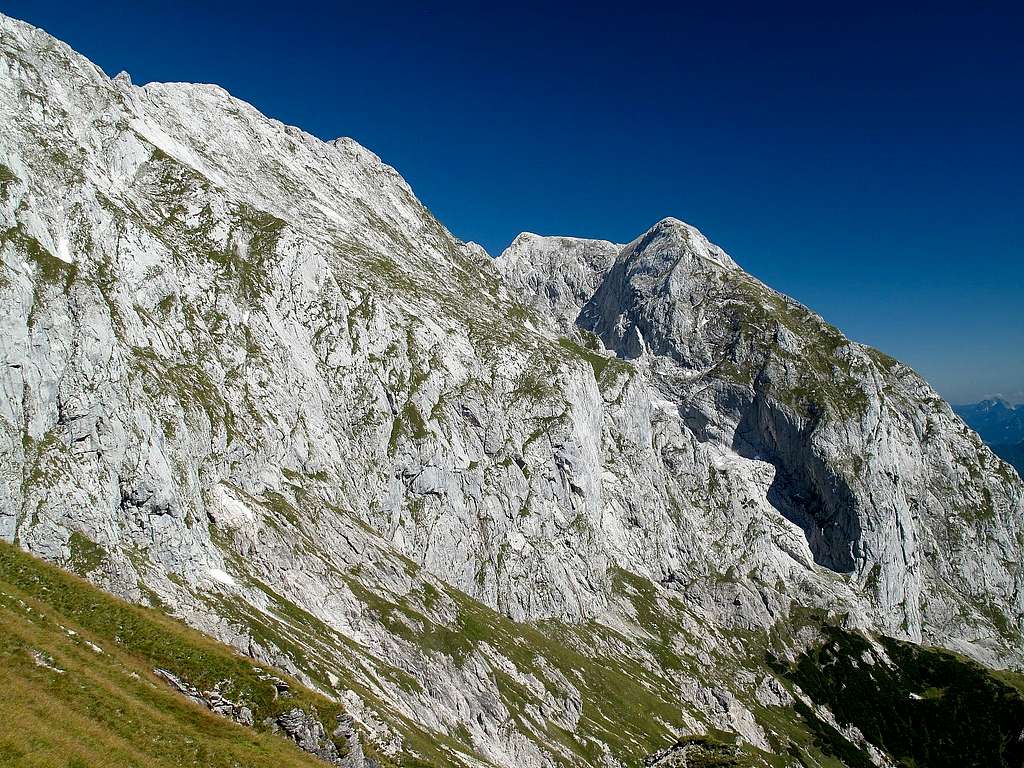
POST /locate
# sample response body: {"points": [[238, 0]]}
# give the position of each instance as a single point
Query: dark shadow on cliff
{"points": [[805, 489]]}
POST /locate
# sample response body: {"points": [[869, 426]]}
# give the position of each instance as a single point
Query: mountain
{"points": [[995, 420], [999, 424], [585, 504]]}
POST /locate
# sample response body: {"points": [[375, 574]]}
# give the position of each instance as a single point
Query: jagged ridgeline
{"points": [[585, 504]]}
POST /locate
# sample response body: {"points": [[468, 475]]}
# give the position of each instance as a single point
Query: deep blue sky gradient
{"points": [[867, 161]]}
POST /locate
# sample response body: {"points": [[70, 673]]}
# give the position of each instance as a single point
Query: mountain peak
{"points": [[556, 274], [995, 419], [672, 244], [550, 241]]}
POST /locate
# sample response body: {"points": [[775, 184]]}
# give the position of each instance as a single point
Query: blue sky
{"points": [[868, 162]]}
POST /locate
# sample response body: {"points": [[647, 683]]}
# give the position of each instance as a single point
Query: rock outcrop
{"points": [[212, 700]]}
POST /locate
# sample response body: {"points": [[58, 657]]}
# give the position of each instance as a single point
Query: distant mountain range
{"points": [[999, 424]]}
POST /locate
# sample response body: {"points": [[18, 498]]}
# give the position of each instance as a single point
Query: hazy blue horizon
{"points": [[868, 164]]}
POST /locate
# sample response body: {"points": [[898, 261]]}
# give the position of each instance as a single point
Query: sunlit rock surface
{"points": [[525, 512]]}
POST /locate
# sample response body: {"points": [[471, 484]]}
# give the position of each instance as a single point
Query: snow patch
{"points": [[63, 251], [665, 405], [222, 576], [228, 511]]}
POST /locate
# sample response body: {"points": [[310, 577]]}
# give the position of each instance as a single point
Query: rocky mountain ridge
{"points": [[541, 511]]}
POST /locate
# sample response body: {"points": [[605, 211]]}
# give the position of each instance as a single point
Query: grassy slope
{"points": [[113, 711], [108, 708]]}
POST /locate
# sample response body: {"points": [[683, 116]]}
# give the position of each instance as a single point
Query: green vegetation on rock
{"points": [[7, 178], [50, 269], [604, 365], [924, 706], [826, 362], [86, 555]]}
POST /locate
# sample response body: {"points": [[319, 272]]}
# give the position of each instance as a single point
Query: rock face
{"points": [[879, 474], [556, 276], [305, 729], [212, 700], [527, 512], [693, 752], [309, 733]]}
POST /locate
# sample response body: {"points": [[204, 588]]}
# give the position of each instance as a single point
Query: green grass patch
{"points": [[63, 703], [7, 178], [598, 362], [50, 271], [86, 555]]}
